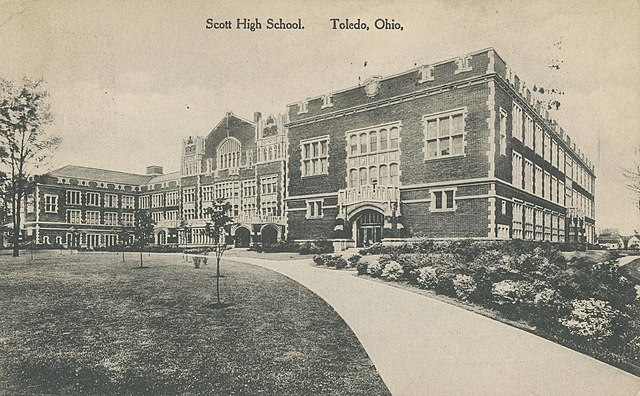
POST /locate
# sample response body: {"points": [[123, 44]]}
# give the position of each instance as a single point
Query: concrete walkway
{"points": [[422, 346]]}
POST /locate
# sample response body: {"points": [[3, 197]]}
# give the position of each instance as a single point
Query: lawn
{"points": [[91, 324]]}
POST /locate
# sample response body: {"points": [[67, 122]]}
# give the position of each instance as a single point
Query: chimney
{"points": [[154, 170], [257, 116]]}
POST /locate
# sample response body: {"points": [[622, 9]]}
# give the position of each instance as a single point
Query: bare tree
{"points": [[143, 231], [632, 176], [24, 115]]}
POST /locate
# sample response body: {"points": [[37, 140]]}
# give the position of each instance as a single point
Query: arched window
{"points": [[393, 138], [384, 175], [363, 142], [373, 175], [383, 139], [229, 153], [353, 178], [354, 144], [395, 174], [373, 141], [363, 176]]}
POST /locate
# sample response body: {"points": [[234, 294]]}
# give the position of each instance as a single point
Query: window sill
{"points": [[314, 217], [442, 210], [445, 157], [309, 176]]}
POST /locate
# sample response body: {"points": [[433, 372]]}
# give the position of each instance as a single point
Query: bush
{"points": [[375, 268], [591, 319], [465, 286], [330, 261], [316, 247], [353, 260], [427, 277], [392, 271], [279, 247]]}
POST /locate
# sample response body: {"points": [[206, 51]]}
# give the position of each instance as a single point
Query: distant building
{"points": [[612, 242], [634, 242], [456, 149]]}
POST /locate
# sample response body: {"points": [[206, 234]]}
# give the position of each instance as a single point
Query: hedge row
{"points": [[311, 247], [583, 302]]}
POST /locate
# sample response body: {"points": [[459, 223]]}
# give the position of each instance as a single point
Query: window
{"points": [[503, 207], [74, 216], [110, 218], [189, 195], [547, 185], [157, 216], [562, 194], [74, 198], [528, 223], [561, 225], [145, 202], [249, 193], [172, 198], [516, 172], [516, 222], [443, 200], [546, 147], [375, 160], [553, 153], [157, 200], [503, 132], [93, 199], [444, 134], [315, 156], [516, 117], [127, 219], [171, 215], [50, 203], [538, 140], [207, 193], [93, 217], [314, 209], [538, 214], [537, 186], [554, 189], [128, 202], [229, 153], [110, 201], [547, 226], [528, 131], [528, 175], [269, 195]]}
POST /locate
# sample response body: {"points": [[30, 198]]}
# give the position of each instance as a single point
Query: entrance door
{"points": [[243, 237], [369, 228]]}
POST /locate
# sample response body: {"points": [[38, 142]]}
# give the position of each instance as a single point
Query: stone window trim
{"points": [[463, 64], [444, 194], [315, 209], [327, 101], [92, 199], [303, 107], [50, 203], [426, 74], [440, 115], [74, 197], [504, 122], [321, 156]]}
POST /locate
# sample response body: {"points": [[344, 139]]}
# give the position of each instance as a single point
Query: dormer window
{"points": [[426, 73], [327, 101]]}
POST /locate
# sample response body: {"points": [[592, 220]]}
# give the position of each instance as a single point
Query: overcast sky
{"points": [[130, 80]]}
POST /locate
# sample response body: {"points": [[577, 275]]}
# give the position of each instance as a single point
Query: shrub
{"points": [[375, 268], [353, 260], [464, 285], [320, 246], [590, 319], [362, 268], [427, 277], [392, 271], [279, 247], [330, 261]]}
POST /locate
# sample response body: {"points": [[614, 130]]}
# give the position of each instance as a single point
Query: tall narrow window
{"points": [[315, 157], [373, 141], [503, 132]]}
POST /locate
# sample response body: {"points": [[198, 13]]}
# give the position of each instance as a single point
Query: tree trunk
{"points": [[16, 228], [140, 258], [123, 254]]}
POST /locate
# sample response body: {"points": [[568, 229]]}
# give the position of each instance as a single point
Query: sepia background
{"points": [[129, 80]]}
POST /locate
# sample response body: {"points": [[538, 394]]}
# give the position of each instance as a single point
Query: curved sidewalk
{"points": [[422, 346]]}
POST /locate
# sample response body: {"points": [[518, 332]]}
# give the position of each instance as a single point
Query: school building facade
{"points": [[456, 149]]}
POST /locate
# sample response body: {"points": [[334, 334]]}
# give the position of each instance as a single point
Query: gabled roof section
{"points": [[230, 119], [103, 175]]}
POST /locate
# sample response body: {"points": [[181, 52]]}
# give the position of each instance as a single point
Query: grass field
{"points": [[91, 324]]}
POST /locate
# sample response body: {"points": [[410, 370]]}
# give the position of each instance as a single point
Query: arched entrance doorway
{"points": [[161, 238], [242, 237], [269, 235], [367, 227]]}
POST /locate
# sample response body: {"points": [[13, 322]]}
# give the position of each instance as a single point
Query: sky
{"points": [[129, 80]]}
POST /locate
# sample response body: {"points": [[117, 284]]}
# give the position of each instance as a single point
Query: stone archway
{"points": [[269, 234], [242, 237], [368, 226], [161, 238]]}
